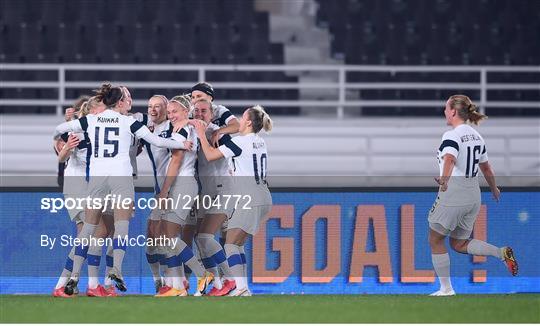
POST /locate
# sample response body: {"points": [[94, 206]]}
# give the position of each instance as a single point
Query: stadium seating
{"points": [[434, 32], [143, 31], [456, 32]]}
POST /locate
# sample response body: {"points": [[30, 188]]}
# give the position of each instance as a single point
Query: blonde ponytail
{"points": [[466, 109], [259, 119]]}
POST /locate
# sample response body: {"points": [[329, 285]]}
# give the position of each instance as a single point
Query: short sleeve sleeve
{"points": [[230, 148], [449, 144]]}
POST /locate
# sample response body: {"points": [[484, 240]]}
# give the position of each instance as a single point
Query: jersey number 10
{"points": [[262, 175], [472, 163], [107, 141]]}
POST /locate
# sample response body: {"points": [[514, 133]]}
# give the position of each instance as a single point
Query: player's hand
{"points": [[73, 141], [188, 145], [496, 194], [70, 114], [442, 182], [200, 126], [162, 202], [214, 141]]}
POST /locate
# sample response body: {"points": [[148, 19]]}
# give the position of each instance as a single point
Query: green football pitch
{"points": [[523, 308]]}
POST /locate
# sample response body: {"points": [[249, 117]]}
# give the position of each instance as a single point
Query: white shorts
{"points": [[76, 214], [182, 213], [456, 221], [248, 219], [75, 189], [121, 187], [216, 188]]}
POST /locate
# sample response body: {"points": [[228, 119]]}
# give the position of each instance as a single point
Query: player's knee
{"points": [[458, 245]]}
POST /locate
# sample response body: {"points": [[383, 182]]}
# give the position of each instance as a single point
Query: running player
{"points": [[180, 185], [454, 212], [249, 155], [110, 135]]}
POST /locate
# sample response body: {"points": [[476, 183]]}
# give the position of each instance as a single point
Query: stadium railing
{"points": [[342, 84]]}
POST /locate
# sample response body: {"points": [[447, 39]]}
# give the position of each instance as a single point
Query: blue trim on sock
{"points": [[234, 260], [109, 260], [69, 265], [219, 257], [209, 262], [93, 260], [81, 251], [243, 256], [152, 259], [163, 260], [186, 254], [174, 261], [118, 245], [187, 270]]}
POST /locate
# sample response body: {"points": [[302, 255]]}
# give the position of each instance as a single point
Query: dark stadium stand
{"points": [[364, 32], [145, 31], [439, 32], [434, 32]]}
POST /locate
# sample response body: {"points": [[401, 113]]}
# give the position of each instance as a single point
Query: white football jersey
{"points": [[469, 149], [110, 135], [188, 166], [78, 161], [249, 156], [217, 168], [467, 146], [143, 118], [221, 115], [159, 156]]}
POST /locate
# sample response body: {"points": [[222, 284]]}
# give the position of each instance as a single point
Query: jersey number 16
{"points": [[472, 162]]}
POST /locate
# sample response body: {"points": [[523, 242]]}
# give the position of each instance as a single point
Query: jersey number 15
{"points": [[106, 141]]}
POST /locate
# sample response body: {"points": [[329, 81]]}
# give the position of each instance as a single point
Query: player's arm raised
{"points": [[232, 126], [211, 153], [142, 132], [71, 142], [78, 125]]}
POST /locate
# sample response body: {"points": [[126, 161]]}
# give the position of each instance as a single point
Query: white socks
{"points": [[185, 255], [236, 265], [152, 257], [93, 260], [441, 263], [121, 229], [81, 251], [66, 272], [212, 254], [481, 248]]}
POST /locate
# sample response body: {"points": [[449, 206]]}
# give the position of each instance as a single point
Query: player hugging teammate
{"points": [[104, 144]]}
